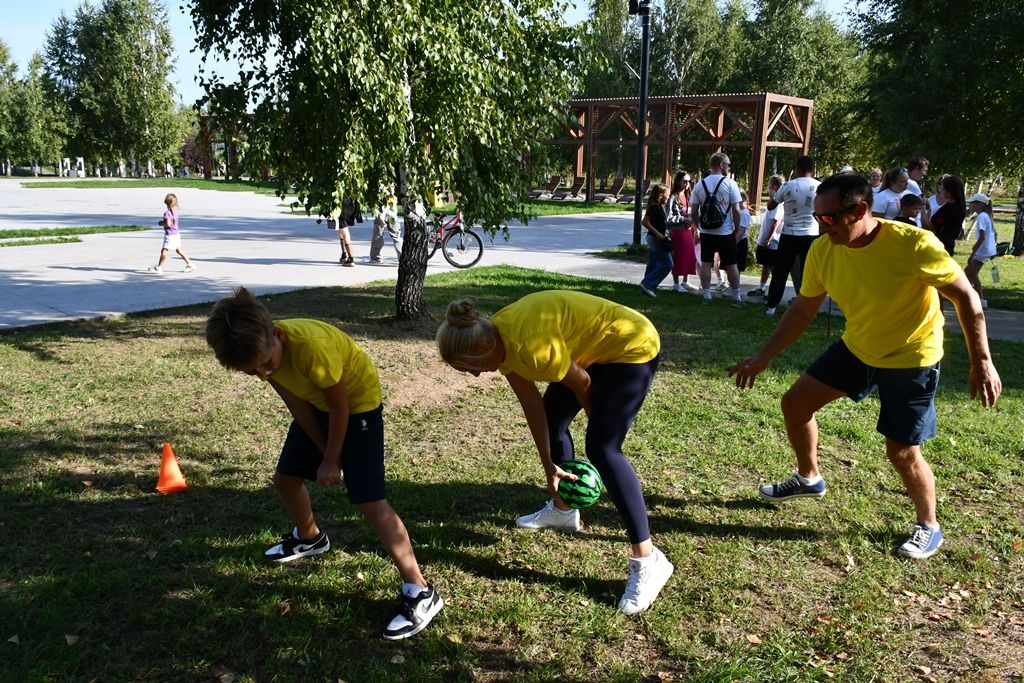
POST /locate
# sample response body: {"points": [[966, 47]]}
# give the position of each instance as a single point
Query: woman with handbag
{"points": [[659, 244], [680, 223]]}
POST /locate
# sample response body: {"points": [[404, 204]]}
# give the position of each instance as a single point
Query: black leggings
{"points": [[617, 392], [790, 248]]}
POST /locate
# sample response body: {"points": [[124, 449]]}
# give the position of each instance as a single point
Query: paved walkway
{"points": [[242, 238]]}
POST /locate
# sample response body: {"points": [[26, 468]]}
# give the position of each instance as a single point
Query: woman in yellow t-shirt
{"points": [[597, 356]]}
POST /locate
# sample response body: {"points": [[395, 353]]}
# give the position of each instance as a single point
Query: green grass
{"points": [[624, 252], [193, 183], [1009, 293], [552, 208], [25, 237], [174, 588]]}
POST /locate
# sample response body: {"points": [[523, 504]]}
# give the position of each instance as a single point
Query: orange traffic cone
{"points": [[170, 474]]}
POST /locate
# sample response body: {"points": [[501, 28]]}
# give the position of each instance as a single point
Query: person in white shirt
{"points": [[799, 229], [717, 238], [917, 170], [887, 202], [768, 238], [935, 202], [985, 244], [876, 180]]}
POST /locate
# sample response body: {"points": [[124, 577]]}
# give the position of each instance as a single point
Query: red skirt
{"points": [[684, 257]]}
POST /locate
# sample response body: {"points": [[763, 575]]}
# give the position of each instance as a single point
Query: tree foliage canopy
{"points": [[452, 91], [109, 68]]}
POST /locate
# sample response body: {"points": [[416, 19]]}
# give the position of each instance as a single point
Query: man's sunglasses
{"points": [[830, 218]]}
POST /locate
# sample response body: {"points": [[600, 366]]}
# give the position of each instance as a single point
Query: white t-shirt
{"points": [[744, 223], [798, 198], [875, 190], [771, 239], [727, 195], [913, 188], [887, 203], [933, 204], [988, 248]]}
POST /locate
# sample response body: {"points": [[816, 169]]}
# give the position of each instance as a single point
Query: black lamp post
{"points": [[642, 8]]}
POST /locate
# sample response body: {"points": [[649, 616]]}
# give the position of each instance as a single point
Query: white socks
{"points": [[808, 482]]}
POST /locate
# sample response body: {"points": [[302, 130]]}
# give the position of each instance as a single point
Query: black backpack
{"points": [[711, 215]]}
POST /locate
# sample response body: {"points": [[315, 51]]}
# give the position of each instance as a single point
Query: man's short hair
{"points": [[804, 164], [916, 162], [718, 158], [852, 187], [910, 201]]}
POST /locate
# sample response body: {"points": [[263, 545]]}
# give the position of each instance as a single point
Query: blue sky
{"points": [[26, 22]]}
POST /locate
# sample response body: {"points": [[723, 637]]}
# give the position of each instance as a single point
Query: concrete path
{"points": [[243, 238]]}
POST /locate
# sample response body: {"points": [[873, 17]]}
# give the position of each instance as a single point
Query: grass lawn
{"points": [[194, 183], [103, 579], [23, 237]]}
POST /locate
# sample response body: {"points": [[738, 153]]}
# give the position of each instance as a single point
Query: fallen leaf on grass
{"points": [[1018, 545], [360, 576], [151, 554], [850, 564], [921, 669], [86, 483], [284, 609], [982, 631], [665, 677], [842, 656], [14, 639], [752, 639], [932, 648], [398, 659], [455, 638], [71, 640]]}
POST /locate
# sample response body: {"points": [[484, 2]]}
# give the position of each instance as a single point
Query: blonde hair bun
{"points": [[462, 313]]}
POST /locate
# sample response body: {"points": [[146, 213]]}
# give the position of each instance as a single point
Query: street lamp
{"points": [[641, 8]]}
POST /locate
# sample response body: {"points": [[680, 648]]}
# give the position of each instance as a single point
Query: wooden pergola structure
{"points": [[714, 122]]}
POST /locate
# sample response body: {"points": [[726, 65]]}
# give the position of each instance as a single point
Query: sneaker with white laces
{"points": [[414, 614], [792, 488], [646, 579], [923, 542], [648, 292], [550, 517], [189, 268], [156, 269], [292, 547]]}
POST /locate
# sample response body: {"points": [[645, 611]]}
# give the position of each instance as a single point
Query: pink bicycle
{"points": [[460, 246]]}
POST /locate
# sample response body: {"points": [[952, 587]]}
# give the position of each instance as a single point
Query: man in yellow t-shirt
{"points": [[886, 276]]}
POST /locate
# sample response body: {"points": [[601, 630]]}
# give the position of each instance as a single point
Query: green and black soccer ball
{"points": [[583, 492]]}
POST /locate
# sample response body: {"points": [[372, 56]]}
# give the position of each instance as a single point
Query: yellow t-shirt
{"points": [[318, 356], [543, 332], [886, 291]]}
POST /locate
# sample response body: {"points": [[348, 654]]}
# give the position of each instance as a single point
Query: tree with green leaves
{"points": [[946, 81], [8, 82], [352, 97], [37, 129], [110, 65]]}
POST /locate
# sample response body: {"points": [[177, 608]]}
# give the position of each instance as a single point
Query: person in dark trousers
{"points": [[798, 229]]}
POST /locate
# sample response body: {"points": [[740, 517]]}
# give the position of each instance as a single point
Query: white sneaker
{"points": [[646, 580], [156, 269], [769, 312], [692, 288], [550, 517], [414, 614], [677, 287], [189, 268], [721, 286]]}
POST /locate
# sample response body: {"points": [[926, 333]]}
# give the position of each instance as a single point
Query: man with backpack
{"points": [[799, 229], [715, 206]]}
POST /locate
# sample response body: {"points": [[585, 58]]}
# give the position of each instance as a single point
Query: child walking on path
{"points": [[332, 390], [985, 246], [597, 356], [172, 237]]}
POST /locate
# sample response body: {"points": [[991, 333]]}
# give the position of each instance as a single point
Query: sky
{"points": [[26, 22]]}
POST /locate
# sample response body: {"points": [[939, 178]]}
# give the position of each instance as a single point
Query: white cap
{"points": [[978, 197]]}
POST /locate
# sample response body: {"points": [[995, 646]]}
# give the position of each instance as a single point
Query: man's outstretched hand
{"points": [[746, 370]]}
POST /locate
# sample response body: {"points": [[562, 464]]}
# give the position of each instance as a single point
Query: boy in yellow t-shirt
{"points": [[599, 357], [332, 390], [884, 275]]}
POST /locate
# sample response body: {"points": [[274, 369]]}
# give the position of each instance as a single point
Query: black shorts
{"points": [[907, 396], [362, 455], [724, 245], [765, 256], [742, 254]]}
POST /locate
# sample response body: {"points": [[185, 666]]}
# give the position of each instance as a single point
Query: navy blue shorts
{"points": [[362, 455], [907, 396]]}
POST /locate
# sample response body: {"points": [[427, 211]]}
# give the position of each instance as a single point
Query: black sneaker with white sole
{"points": [[414, 614], [292, 547]]}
